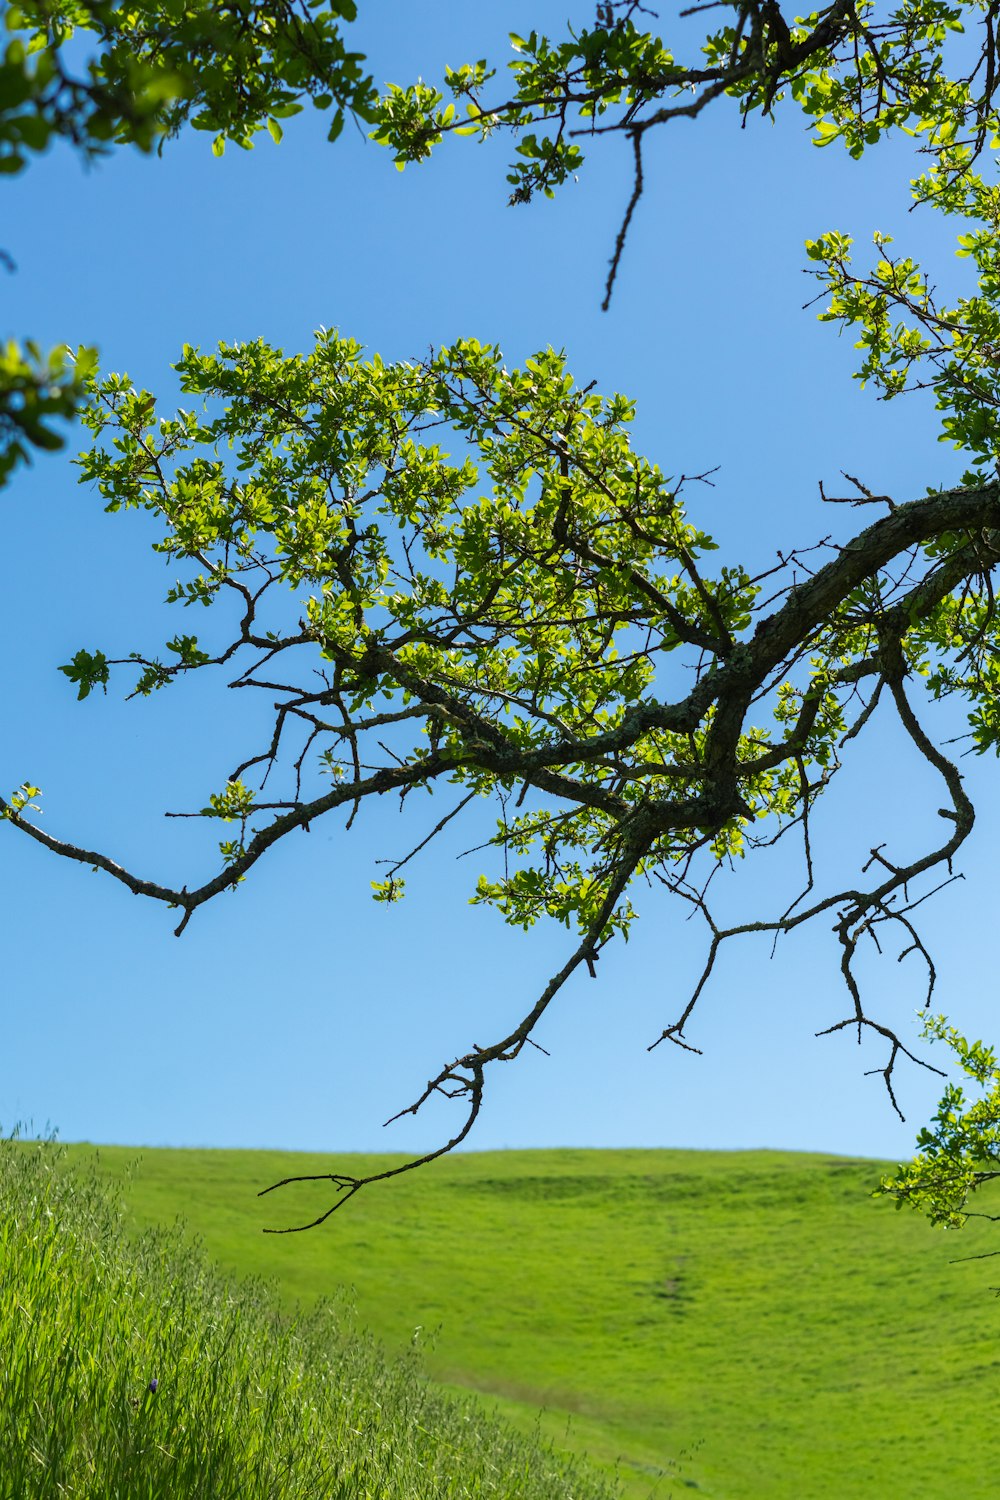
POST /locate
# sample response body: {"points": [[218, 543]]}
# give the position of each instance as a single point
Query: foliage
{"points": [[912, 341], [136, 1369], [153, 66], [856, 72], [726, 1320], [36, 388], [959, 1152], [230, 69]]}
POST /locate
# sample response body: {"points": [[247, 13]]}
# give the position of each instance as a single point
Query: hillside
{"points": [[745, 1325], [132, 1369]]}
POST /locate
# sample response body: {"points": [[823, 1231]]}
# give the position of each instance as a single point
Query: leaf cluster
{"points": [[153, 66], [959, 1151], [855, 71], [36, 389]]}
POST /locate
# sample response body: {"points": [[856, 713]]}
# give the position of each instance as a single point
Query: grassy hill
{"points": [[742, 1325], [130, 1369]]}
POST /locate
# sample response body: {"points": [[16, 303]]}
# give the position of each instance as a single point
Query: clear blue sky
{"points": [[296, 1013]]}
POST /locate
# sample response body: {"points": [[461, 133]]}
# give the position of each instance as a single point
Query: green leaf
{"points": [[88, 670]]}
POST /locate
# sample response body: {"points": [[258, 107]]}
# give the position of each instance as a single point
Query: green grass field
{"points": [[131, 1368], [744, 1325]]}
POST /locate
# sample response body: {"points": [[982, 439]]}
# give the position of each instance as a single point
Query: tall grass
{"points": [[131, 1370]]}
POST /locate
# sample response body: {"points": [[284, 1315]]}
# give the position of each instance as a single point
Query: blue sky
{"points": [[295, 1012]]}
